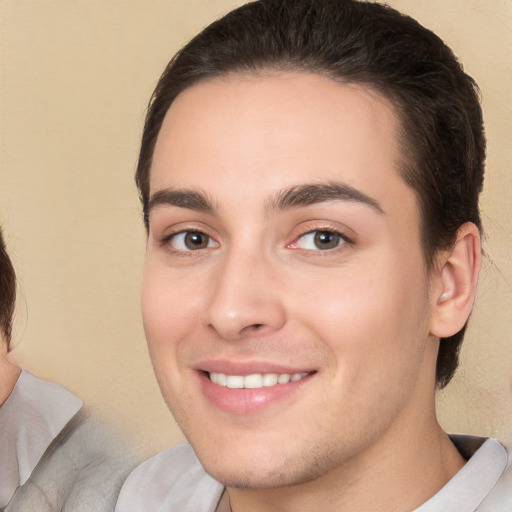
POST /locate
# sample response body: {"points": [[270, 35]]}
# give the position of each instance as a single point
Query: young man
{"points": [[310, 173]]}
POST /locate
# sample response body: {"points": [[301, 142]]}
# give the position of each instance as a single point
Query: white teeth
{"points": [[284, 378], [270, 379], [235, 381], [254, 381]]}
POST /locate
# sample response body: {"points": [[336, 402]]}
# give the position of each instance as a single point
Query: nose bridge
{"points": [[245, 297]]}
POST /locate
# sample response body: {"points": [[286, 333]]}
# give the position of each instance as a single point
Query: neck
{"points": [[399, 474]]}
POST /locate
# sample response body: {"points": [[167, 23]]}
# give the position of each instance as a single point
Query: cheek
{"points": [[168, 318], [168, 310], [374, 328], [368, 316]]}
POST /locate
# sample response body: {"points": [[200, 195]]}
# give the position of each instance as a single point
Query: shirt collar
{"points": [[470, 486]]}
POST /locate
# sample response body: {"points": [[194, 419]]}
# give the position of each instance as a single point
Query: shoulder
{"points": [[82, 470], [172, 480]]}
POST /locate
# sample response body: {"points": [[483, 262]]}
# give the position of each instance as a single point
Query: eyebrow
{"points": [[309, 194], [191, 199], [286, 199]]}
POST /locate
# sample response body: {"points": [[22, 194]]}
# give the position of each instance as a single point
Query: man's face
{"points": [[285, 297]]}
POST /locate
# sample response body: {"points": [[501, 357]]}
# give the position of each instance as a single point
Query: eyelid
{"points": [[165, 240], [319, 226]]}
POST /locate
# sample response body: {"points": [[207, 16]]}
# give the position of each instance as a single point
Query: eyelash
{"points": [[166, 241], [344, 240]]}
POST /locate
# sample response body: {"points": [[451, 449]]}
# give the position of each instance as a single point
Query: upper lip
{"points": [[231, 367]]}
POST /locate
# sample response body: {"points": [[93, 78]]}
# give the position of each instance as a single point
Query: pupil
{"points": [[196, 241], [327, 240]]}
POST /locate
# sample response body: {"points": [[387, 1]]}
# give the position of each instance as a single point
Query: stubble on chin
{"points": [[307, 466]]}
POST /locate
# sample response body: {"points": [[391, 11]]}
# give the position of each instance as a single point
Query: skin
{"points": [[362, 318], [9, 373]]}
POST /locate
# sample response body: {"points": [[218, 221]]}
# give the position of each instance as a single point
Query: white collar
{"points": [[473, 483]]}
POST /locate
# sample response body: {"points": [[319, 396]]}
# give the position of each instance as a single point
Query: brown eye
{"points": [[326, 239], [191, 241], [320, 240], [195, 240]]}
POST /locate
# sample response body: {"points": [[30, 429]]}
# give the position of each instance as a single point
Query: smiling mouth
{"points": [[255, 380]]}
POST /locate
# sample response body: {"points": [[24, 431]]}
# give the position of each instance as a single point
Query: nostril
{"points": [[254, 328]]}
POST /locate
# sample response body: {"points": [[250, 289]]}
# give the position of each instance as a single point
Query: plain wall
{"points": [[75, 77]]}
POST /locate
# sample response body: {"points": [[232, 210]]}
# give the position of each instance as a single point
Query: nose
{"points": [[245, 298]]}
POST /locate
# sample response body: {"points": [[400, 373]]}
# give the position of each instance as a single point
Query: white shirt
{"points": [[175, 481], [54, 457], [33, 415]]}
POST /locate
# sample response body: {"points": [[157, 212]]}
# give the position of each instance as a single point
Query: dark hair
{"points": [[7, 293], [442, 135]]}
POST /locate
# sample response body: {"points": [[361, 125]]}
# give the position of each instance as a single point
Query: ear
{"points": [[454, 282]]}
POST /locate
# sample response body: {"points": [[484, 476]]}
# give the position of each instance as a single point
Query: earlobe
{"points": [[457, 276]]}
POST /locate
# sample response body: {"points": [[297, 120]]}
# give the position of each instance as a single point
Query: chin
{"points": [[267, 469], [252, 478]]}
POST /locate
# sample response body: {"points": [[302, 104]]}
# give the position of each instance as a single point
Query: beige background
{"points": [[75, 77]]}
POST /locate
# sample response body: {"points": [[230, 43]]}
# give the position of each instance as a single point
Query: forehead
{"points": [[275, 130]]}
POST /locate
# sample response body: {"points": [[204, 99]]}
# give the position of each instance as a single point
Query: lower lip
{"points": [[247, 401]]}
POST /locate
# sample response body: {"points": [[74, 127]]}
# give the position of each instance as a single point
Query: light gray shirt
{"points": [[174, 481], [33, 415], [53, 457]]}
